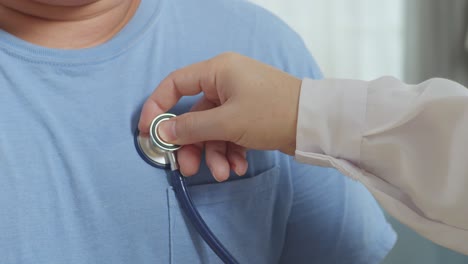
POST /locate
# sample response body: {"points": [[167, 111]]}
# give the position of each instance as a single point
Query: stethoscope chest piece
{"points": [[152, 148]]}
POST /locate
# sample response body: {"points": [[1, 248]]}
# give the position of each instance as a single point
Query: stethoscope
{"points": [[162, 155]]}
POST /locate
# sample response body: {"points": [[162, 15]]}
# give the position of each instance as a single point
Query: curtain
{"points": [[350, 39]]}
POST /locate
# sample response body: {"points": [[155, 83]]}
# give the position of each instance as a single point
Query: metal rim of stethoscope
{"points": [[151, 147], [154, 134]]}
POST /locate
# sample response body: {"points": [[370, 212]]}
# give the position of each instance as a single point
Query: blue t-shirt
{"points": [[74, 190]]}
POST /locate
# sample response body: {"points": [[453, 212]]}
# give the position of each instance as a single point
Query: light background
{"points": [[349, 39], [366, 39]]}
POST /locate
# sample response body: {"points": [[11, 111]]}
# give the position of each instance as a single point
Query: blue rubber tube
{"points": [[185, 201]]}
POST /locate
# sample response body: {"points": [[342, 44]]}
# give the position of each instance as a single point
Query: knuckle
{"points": [[229, 58], [228, 55], [226, 63], [171, 76]]}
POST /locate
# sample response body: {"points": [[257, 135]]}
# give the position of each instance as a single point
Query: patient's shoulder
{"points": [[239, 16]]}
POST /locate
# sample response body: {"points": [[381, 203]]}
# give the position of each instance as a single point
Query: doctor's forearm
{"points": [[405, 143]]}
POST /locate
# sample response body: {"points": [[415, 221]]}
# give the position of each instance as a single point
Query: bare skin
{"points": [[66, 24]]}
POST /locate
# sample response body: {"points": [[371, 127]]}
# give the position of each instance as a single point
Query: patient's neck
{"points": [[66, 27]]}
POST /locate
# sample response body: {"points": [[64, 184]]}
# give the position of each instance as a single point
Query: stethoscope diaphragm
{"points": [[154, 135], [152, 148]]}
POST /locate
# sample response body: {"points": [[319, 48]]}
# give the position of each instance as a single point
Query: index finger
{"points": [[191, 80]]}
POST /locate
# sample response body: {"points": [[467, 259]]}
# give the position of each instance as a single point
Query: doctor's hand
{"points": [[245, 105]]}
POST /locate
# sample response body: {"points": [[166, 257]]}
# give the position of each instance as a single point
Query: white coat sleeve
{"points": [[408, 144]]}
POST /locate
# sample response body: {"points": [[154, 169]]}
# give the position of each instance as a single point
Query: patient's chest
{"points": [[73, 188]]}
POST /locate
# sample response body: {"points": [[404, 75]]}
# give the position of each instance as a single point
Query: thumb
{"points": [[194, 127]]}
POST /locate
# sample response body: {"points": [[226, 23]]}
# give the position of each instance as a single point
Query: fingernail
{"points": [[220, 174], [239, 165], [166, 131], [241, 170], [214, 174], [234, 168]]}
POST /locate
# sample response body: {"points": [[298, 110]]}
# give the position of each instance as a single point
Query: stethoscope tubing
{"points": [[178, 183], [185, 201]]}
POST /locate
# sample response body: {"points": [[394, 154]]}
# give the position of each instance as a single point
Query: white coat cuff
{"points": [[331, 119]]}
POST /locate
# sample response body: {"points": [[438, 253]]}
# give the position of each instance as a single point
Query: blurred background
{"points": [[365, 39]]}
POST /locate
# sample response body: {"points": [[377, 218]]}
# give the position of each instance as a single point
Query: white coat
{"points": [[408, 144]]}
